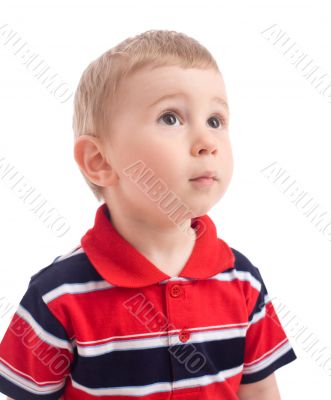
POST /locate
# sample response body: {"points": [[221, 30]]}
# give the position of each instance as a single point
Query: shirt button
{"points": [[184, 336], [176, 290]]}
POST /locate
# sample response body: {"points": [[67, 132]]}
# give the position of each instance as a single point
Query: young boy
{"points": [[151, 304]]}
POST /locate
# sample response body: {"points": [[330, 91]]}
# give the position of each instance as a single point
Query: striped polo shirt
{"points": [[104, 322]]}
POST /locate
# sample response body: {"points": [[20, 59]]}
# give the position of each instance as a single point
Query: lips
{"points": [[205, 175], [203, 182]]}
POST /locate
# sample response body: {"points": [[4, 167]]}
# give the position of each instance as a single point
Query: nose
{"points": [[204, 144]]}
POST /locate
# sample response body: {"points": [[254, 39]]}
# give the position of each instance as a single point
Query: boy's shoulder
{"points": [[246, 272], [244, 264], [70, 268]]}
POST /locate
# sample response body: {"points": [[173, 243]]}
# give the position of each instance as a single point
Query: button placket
{"points": [[178, 309], [177, 291]]}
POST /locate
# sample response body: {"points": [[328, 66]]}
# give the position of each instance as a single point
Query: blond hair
{"points": [[98, 84]]}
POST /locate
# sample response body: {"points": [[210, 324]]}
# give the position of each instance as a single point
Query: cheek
{"points": [[157, 156], [227, 157], [155, 164]]}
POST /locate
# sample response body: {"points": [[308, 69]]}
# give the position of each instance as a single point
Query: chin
{"points": [[200, 211]]}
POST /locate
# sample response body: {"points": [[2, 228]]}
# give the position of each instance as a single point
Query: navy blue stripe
{"points": [[35, 305], [283, 360], [147, 366], [75, 269], [260, 302], [17, 393], [242, 263]]}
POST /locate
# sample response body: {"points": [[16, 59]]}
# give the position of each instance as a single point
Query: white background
{"points": [[276, 116]]}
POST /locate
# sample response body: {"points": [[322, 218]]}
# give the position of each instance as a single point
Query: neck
{"points": [[166, 245]]}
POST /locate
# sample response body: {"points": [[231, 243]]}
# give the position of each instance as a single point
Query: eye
{"points": [[169, 117], [213, 119], [218, 119]]}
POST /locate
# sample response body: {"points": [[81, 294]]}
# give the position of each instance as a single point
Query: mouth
{"points": [[203, 181], [206, 176]]}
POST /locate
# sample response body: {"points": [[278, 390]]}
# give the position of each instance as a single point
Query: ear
{"points": [[89, 155]]}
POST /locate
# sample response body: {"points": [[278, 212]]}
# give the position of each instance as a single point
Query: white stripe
{"points": [[125, 390], [148, 334], [91, 286], [240, 275], [41, 332], [257, 316], [72, 288], [260, 314], [76, 250], [26, 384], [224, 276], [159, 341], [281, 349], [208, 379], [159, 386]]}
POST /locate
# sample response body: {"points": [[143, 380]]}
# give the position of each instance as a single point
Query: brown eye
{"points": [[169, 118], [217, 122]]}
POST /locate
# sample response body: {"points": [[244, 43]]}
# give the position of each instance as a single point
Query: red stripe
{"points": [[25, 351], [138, 311]]}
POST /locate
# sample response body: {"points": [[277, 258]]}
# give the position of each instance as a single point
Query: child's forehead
{"points": [[170, 74], [174, 81]]}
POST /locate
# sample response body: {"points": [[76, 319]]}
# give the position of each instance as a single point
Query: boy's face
{"points": [[178, 138]]}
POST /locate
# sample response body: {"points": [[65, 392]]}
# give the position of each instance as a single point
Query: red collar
{"points": [[119, 263]]}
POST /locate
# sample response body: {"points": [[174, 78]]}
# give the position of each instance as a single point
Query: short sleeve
{"points": [[35, 352], [267, 347]]}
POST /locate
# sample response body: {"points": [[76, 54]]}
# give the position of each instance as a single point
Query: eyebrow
{"points": [[217, 99]]}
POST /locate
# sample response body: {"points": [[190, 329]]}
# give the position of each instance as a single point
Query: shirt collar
{"points": [[119, 263]]}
